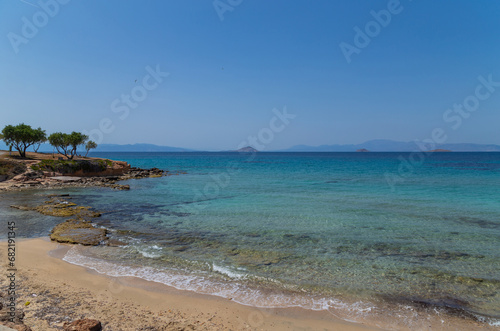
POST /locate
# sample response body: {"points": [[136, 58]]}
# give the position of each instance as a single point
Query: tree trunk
{"points": [[22, 150]]}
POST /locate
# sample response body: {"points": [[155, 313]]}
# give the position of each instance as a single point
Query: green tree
{"points": [[60, 143], [90, 145], [67, 144], [22, 136]]}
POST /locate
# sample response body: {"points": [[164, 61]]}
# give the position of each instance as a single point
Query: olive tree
{"points": [[90, 145], [66, 144], [22, 136]]}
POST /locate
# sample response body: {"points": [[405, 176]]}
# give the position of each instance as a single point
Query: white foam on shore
{"points": [[228, 272], [197, 283], [147, 252]]}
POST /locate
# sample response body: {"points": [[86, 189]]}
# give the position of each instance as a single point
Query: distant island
{"points": [[440, 150], [362, 150], [384, 145], [247, 149]]}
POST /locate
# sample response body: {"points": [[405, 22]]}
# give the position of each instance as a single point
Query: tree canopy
{"points": [[67, 144], [22, 136]]}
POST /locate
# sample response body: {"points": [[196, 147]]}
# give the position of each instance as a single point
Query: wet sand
{"points": [[60, 292]]}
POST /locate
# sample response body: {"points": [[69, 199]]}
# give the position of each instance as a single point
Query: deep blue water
{"points": [[317, 230]]}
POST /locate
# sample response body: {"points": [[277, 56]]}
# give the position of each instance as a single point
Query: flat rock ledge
{"points": [[78, 231]]}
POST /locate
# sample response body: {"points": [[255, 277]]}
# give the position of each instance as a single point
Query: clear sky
{"points": [[70, 65]]}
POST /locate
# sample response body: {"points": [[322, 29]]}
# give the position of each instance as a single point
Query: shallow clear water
{"points": [[317, 230]]}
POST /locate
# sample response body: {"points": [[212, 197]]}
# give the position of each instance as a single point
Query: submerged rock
{"points": [[115, 243], [20, 207], [117, 186], [252, 257], [63, 208]]}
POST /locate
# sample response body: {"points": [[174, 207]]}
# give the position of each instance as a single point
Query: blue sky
{"points": [[226, 76]]}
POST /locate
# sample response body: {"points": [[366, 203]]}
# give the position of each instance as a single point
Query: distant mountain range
{"points": [[379, 145], [382, 145]]}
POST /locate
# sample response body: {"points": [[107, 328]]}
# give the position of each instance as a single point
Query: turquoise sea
{"points": [[323, 231]]}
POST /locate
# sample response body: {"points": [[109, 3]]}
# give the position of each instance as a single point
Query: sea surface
{"points": [[415, 238]]}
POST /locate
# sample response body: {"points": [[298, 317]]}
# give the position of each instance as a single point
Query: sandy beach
{"points": [[60, 292]]}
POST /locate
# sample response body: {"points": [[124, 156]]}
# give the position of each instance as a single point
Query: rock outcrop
{"points": [[78, 231]]}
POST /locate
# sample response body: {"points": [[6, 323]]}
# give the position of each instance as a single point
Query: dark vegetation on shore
{"points": [[72, 166], [9, 169]]}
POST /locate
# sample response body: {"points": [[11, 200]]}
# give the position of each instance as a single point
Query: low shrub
{"points": [[72, 166]]}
